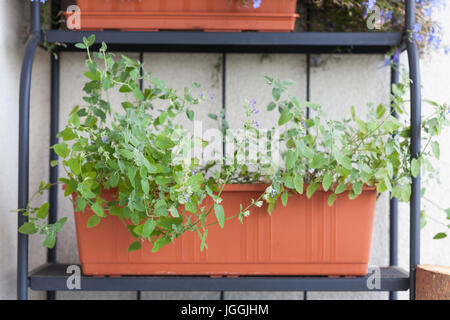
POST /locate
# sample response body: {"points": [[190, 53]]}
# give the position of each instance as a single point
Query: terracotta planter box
{"points": [[208, 15], [305, 238]]}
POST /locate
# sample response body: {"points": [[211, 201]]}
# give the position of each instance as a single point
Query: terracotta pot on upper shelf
{"points": [[307, 237], [207, 15]]}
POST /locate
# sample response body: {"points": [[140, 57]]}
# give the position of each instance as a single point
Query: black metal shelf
{"points": [[233, 42], [53, 277]]}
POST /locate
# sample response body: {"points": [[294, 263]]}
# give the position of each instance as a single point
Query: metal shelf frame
{"points": [[52, 276]]}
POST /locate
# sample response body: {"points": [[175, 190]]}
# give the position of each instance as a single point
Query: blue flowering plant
{"points": [[379, 15]]}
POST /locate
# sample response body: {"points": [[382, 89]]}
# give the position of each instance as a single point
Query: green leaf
{"points": [[75, 120], [311, 189], [138, 94], [220, 214], [93, 221], [49, 240], [340, 188], [212, 116], [357, 188], [67, 134], [391, 124], [149, 227], [116, 211], [326, 183], [440, 235], [61, 149], [90, 40], [164, 142], [447, 211], [43, 211], [28, 228], [284, 198], [145, 186], [59, 224], [190, 114], [380, 111], [298, 183], [174, 212], [304, 150], [276, 93], [127, 105], [272, 105], [75, 165], [126, 153], [285, 117], [203, 237], [381, 187], [161, 242], [415, 167], [195, 182], [318, 162], [291, 158], [436, 149], [268, 80], [343, 160], [134, 246], [80, 46], [331, 199], [98, 210]]}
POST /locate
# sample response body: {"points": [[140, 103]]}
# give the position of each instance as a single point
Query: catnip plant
{"points": [[143, 154]]}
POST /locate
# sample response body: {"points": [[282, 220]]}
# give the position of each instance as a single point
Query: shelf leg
{"points": [[393, 203], [24, 152], [414, 74], [54, 128]]}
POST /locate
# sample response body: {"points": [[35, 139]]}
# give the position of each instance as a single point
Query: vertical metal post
{"points": [[54, 128], [141, 87], [308, 83], [224, 117], [393, 203], [308, 115], [414, 74], [24, 143]]}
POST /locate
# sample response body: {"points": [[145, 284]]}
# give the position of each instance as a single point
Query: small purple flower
{"points": [[274, 193], [194, 172], [105, 139], [252, 104], [304, 124], [446, 50], [202, 95], [417, 27], [186, 198], [211, 95], [389, 15], [256, 3], [255, 123], [370, 4]]}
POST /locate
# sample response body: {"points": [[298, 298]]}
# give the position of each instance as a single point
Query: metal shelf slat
{"points": [[233, 42], [54, 277]]}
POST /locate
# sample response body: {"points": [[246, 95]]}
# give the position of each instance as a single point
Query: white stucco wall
{"points": [[339, 82]]}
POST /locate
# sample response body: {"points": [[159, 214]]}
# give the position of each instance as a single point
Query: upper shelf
{"points": [[234, 42]]}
